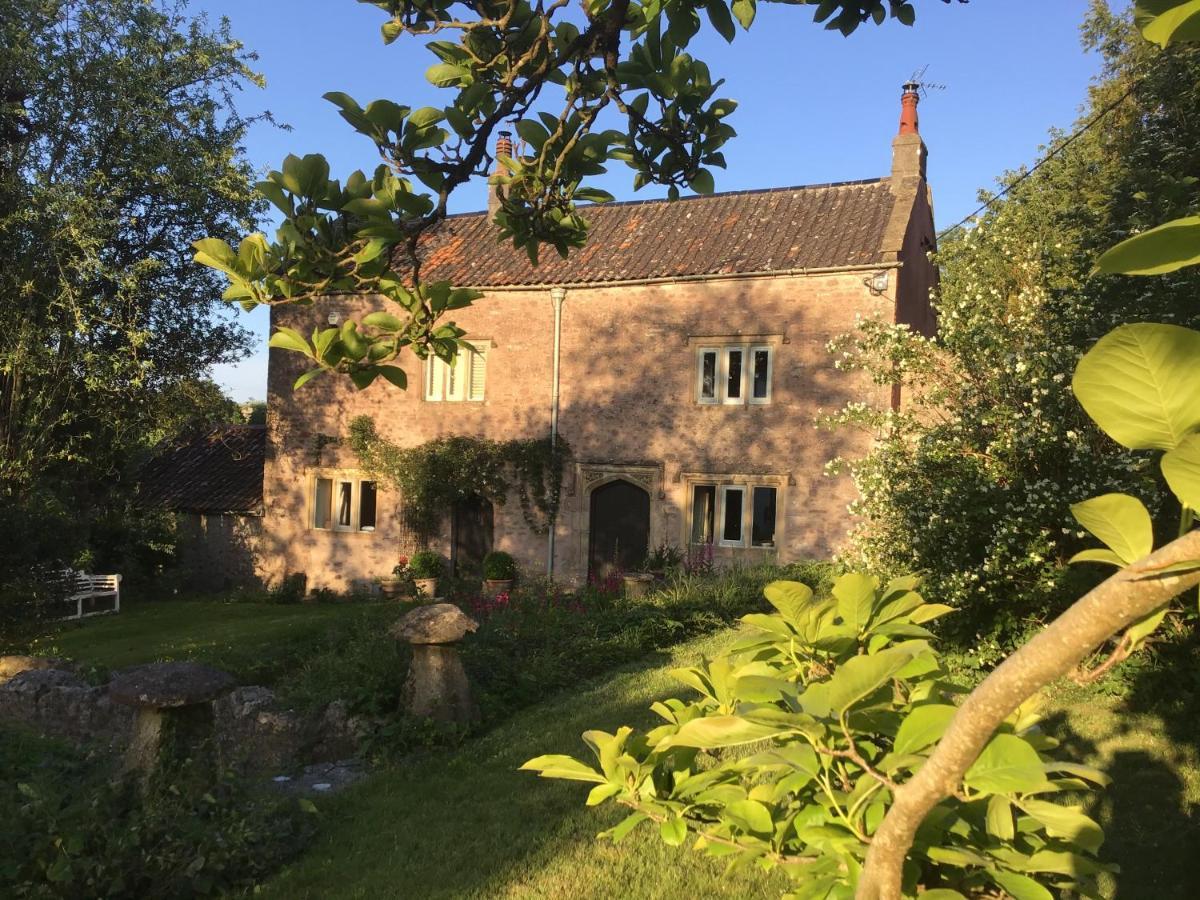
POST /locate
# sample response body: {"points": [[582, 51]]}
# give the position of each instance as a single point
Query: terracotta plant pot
{"points": [[638, 584], [498, 586], [392, 588], [426, 588]]}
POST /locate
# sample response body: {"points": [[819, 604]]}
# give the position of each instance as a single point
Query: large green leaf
{"points": [[1021, 887], [1067, 822], [1181, 468], [1163, 249], [559, 766], [855, 595], [857, 678], [1008, 764], [1121, 522], [1141, 384], [789, 597], [923, 726], [1180, 22], [721, 731]]}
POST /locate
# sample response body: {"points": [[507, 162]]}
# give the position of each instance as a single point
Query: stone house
{"points": [[212, 482], [681, 354]]}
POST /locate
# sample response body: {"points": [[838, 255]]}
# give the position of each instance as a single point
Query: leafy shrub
{"points": [[801, 733], [663, 558], [426, 564], [499, 566], [70, 826]]}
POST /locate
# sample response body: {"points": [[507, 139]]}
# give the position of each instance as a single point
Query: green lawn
{"points": [[468, 824], [254, 641]]}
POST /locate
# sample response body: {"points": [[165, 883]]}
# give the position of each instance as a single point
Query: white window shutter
{"points": [[477, 371]]}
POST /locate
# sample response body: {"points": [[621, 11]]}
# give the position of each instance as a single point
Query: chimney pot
{"points": [[504, 147], [909, 123]]}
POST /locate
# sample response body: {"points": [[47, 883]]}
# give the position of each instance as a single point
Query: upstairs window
{"points": [[734, 375], [462, 379], [343, 504]]}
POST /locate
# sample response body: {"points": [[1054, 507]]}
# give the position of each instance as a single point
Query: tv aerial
{"points": [[917, 82]]}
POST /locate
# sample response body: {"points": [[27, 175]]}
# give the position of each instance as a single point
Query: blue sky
{"points": [[813, 106]]}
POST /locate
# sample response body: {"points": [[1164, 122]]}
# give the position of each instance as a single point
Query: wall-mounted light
{"points": [[334, 318], [877, 284]]}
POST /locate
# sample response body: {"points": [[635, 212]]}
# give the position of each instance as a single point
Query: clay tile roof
{"points": [[219, 471], [741, 232]]}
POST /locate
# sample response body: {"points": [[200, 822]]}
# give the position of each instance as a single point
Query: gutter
{"points": [[672, 279]]}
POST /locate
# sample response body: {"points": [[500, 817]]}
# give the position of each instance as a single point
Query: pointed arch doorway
{"points": [[618, 528]]}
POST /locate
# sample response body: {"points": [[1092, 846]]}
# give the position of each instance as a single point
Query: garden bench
{"points": [[91, 590]]}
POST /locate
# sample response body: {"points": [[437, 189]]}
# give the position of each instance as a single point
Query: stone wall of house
{"points": [[217, 552], [627, 408]]}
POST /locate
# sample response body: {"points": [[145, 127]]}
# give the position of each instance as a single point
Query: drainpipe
{"points": [[557, 295]]}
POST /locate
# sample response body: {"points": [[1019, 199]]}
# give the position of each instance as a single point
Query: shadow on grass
{"points": [[469, 824], [1150, 813]]}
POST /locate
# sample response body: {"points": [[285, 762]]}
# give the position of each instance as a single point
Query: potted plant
{"points": [[499, 570], [426, 568], [398, 584]]}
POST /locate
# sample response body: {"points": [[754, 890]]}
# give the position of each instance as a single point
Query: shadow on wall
{"points": [[627, 398], [217, 552]]}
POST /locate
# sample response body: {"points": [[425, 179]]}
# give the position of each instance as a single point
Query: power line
{"points": [[1049, 156]]}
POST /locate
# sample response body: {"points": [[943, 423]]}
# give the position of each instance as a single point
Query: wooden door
{"points": [[472, 528], [620, 528]]}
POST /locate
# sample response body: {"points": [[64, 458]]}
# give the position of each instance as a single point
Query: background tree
{"points": [[119, 145], [973, 481]]}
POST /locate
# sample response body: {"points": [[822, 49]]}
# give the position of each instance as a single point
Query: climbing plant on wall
{"points": [[434, 476]]}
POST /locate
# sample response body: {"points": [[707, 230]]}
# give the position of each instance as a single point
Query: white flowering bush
{"points": [[972, 481]]}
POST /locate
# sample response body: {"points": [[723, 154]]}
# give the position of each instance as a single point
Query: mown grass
{"points": [[257, 642], [468, 824]]}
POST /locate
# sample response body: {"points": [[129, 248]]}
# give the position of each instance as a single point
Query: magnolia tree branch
{"points": [[1117, 603]]}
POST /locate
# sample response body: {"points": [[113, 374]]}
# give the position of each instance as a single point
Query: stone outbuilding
{"points": [[213, 484]]}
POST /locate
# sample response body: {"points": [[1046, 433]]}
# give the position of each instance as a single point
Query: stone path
{"points": [[322, 778]]}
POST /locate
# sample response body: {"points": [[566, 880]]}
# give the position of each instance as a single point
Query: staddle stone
{"points": [[437, 687], [174, 721], [438, 623]]}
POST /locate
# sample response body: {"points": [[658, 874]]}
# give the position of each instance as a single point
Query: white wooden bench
{"points": [[83, 587]]}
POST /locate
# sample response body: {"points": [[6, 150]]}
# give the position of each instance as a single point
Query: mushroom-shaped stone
{"points": [[437, 686], [174, 723], [438, 623]]}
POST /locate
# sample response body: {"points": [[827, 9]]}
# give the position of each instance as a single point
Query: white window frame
{"points": [[723, 490], [745, 383], [749, 392], [451, 382], [722, 484], [337, 479], [716, 397], [754, 489]]}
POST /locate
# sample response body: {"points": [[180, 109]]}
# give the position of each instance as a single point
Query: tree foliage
{"points": [[119, 145], [973, 480], [558, 74]]}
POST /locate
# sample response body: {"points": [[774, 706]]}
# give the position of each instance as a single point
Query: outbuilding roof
{"points": [[218, 471], [741, 232]]}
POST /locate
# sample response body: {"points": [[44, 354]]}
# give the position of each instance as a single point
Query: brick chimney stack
{"points": [[504, 147], [909, 153]]}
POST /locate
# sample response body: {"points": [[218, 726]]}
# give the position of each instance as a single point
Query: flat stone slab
{"points": [[322, 778], [169, 685], [438, 623], [11, 666]]}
